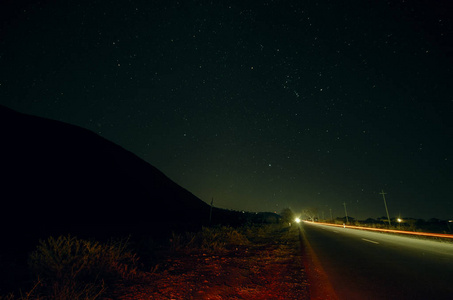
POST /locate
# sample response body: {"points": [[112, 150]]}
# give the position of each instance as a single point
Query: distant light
{"points": [[297, 220], [399, 220]]}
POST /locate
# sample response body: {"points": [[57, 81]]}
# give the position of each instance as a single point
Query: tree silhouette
{"points": [[311, 213], [287, 215]]}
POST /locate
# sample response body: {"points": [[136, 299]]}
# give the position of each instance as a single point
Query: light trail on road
{"points": [[441, 235], [365, 264]]}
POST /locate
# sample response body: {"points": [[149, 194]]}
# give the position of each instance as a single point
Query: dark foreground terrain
{"points": [[250, 262], [267, 265]]}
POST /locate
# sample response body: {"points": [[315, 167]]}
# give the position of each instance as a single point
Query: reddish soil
{"points": [[270, 267]]}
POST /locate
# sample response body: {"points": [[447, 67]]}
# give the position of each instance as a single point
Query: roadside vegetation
{"points": [[66, 267], [70, 268], [210, 240]]}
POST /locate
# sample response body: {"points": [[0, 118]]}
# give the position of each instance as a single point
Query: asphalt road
{"points": [[370, 265]]}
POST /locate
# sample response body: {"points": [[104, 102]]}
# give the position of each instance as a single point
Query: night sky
{"points": [[261, 105]]}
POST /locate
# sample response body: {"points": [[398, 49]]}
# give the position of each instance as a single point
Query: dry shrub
{"points": [[209, 239], [71, 268]]}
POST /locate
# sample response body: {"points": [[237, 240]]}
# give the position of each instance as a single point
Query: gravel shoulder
{"points": [[269, 267]]}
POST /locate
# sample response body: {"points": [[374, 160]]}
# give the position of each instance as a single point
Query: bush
{"points": [[211, 240], [71, 268]]}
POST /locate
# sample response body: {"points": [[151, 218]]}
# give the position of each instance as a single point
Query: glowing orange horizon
{"points": [[443, 235]]}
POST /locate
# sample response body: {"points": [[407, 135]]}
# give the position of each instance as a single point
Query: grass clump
{"points": [[71, 268], [209, 239]]}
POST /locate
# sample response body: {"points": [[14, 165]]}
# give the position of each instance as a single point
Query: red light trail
{"points": [[442, 235]]}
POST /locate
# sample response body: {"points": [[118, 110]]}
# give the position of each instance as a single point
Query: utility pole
{"points": [[385, 203], [210, 211], [346, 212], [331, 218]]}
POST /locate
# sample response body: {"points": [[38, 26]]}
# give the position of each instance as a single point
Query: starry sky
{"points": [[261, 105]]}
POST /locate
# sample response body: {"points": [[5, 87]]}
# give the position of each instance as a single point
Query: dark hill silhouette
{"points": [[58, 179], [56, 174]]}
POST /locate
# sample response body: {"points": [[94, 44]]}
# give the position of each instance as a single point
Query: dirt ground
{"points": [[270, 267]]}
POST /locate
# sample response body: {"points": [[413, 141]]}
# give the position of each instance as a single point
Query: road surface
{"points": [[360, 264]]}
